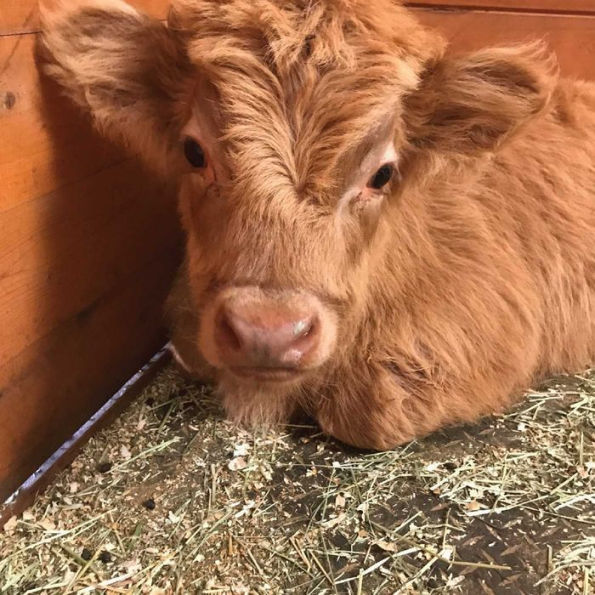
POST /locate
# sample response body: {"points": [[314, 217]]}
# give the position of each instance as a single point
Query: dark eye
{"points": [[194, 153], [382, 177]]}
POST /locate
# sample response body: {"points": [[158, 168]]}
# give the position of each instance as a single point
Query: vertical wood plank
{"points": [[89, 243]]}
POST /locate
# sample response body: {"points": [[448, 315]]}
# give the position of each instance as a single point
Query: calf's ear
{"points": [[124, 68], [474, 103]]}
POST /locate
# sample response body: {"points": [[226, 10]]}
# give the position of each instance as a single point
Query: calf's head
{"points": [[294, 128]]}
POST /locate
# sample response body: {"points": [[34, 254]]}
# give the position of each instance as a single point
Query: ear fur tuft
{"points": [[124, 68], [475, 102]]}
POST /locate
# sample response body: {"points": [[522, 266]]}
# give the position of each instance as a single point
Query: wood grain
{"points": [[35, 148], [572, 38], [88, 247], [63, 182]]}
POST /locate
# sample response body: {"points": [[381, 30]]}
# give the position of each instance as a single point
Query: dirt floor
{"points": [[173, 499]]}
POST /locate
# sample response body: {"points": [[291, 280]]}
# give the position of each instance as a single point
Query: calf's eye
{"points": [[194, 153], [382, 177]]}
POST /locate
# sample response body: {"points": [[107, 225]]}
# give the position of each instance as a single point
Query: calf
{"points": [[380, 233]]}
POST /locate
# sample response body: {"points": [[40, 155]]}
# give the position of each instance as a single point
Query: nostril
{"points": [[305, 335], [227, 334], [266, 334]]}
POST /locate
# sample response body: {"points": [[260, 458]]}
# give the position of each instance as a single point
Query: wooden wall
{"points": [[580, 7], [89, 240], [567, 25], [88, 243]]}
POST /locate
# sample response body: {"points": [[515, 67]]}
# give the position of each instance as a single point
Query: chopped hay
{"points": [[173, 499]]}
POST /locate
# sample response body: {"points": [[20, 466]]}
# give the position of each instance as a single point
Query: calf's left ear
{"points": [[123, 68], [474, 103]]}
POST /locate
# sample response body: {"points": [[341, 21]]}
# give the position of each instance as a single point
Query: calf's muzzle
{"points": [[268, 336]]}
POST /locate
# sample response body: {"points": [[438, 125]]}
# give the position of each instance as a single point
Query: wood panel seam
{"points": [[113, 165], [458, 8], [428, 7]]}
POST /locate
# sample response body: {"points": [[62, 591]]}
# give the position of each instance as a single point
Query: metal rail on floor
{"points": [[63, 456]]}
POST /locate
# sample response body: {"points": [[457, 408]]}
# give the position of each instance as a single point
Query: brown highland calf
{"points": [[384, 235]]}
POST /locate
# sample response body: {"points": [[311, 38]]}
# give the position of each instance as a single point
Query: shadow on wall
{"points": [[98, 244]]}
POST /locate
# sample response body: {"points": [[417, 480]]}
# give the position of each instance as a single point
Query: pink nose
{"points": [[258, 335]]}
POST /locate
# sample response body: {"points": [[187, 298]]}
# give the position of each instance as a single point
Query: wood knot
{"points": [[9, 100]]}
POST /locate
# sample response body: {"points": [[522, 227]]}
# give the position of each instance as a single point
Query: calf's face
{"points": [[280, 229], [291, 156], [290, 126]]}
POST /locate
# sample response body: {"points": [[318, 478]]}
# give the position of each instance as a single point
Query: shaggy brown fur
{"points": [[442, 297]]}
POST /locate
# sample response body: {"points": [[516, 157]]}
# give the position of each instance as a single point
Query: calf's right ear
{"points": [[473, 103], [125, 69]]}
